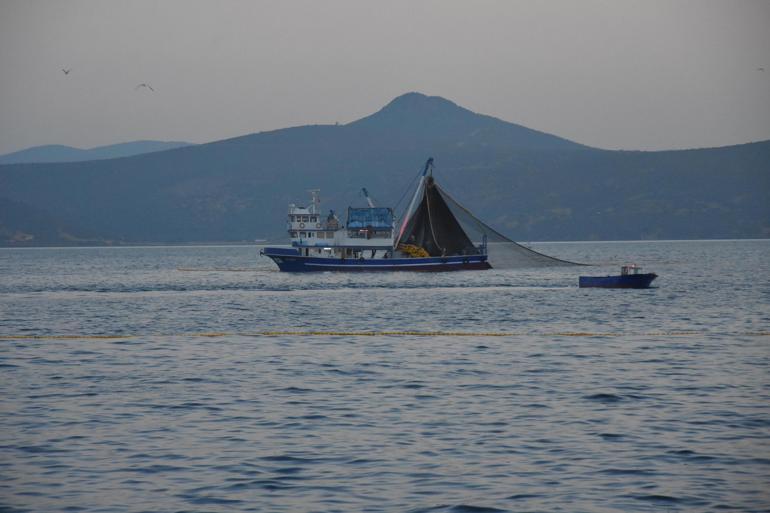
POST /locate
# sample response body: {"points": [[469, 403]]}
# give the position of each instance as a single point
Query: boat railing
{"points": [[369, 234], [482, 248]]}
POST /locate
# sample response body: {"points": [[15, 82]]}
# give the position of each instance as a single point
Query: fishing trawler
{"points": [[429, 238]]}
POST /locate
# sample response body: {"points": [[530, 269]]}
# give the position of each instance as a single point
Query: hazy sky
{"points": [[612, 74]]}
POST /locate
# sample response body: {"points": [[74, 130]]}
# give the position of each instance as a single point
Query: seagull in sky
{"points": [[148, 86], [760, 69], [66, 70]]}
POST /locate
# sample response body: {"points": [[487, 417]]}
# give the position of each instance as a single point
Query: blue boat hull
{"points": [[289, 260], [630, 281]]}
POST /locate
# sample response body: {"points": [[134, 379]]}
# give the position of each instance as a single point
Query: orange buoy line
{"points": [[387, 334]]}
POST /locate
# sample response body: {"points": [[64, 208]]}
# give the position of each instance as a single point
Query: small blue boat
{"points": [[630, 277]]}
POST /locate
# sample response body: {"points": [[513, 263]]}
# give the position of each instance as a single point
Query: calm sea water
{"points": [[662, 403]]}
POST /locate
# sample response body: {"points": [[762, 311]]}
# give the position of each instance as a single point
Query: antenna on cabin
{"points": [[316, 200], [368, 199]]}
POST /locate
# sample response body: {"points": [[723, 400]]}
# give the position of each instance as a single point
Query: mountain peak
{"points": [[417, 105], [415, 100], [424, 119]]}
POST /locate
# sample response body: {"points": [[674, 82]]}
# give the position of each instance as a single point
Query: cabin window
{"points": [[302, 235], [313, 219], [329, 235], [305, 219], [293, 234], [321, 235]]}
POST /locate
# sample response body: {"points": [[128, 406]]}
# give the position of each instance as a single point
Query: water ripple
{"points": [[160, 421]]}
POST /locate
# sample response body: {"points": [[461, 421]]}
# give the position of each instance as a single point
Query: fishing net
{"points": [[433, 227], [441, 226], [503, 252]]}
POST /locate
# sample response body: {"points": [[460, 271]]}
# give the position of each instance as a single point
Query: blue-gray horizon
{"points": [[625, 75]]}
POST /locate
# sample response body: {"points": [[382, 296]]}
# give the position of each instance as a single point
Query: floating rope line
{"points": [[391, 334], [217, 269]]}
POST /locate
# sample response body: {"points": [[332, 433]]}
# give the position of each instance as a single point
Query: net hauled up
{"points": [[435, 224]]}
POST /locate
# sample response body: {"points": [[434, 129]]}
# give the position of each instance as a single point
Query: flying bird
{"points": [[760, 69], [66, 70], [148, 86]]}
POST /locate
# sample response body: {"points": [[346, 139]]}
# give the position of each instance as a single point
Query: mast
{"points": [[408, 213]]}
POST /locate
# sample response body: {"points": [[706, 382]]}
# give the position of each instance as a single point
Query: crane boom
{"points": [[368, 199]]}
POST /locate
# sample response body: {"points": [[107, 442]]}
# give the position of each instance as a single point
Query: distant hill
{"points": [[530, 185], [60, 153], [414, 120]]}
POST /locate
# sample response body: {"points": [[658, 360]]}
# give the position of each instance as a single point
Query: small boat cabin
{"points": [[630, 269]]}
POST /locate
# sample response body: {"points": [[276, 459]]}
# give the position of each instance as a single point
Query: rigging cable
{"points": [[432, 183], [408, 188]]}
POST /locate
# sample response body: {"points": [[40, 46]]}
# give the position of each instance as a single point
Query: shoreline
{"points": [[263, 243]]}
